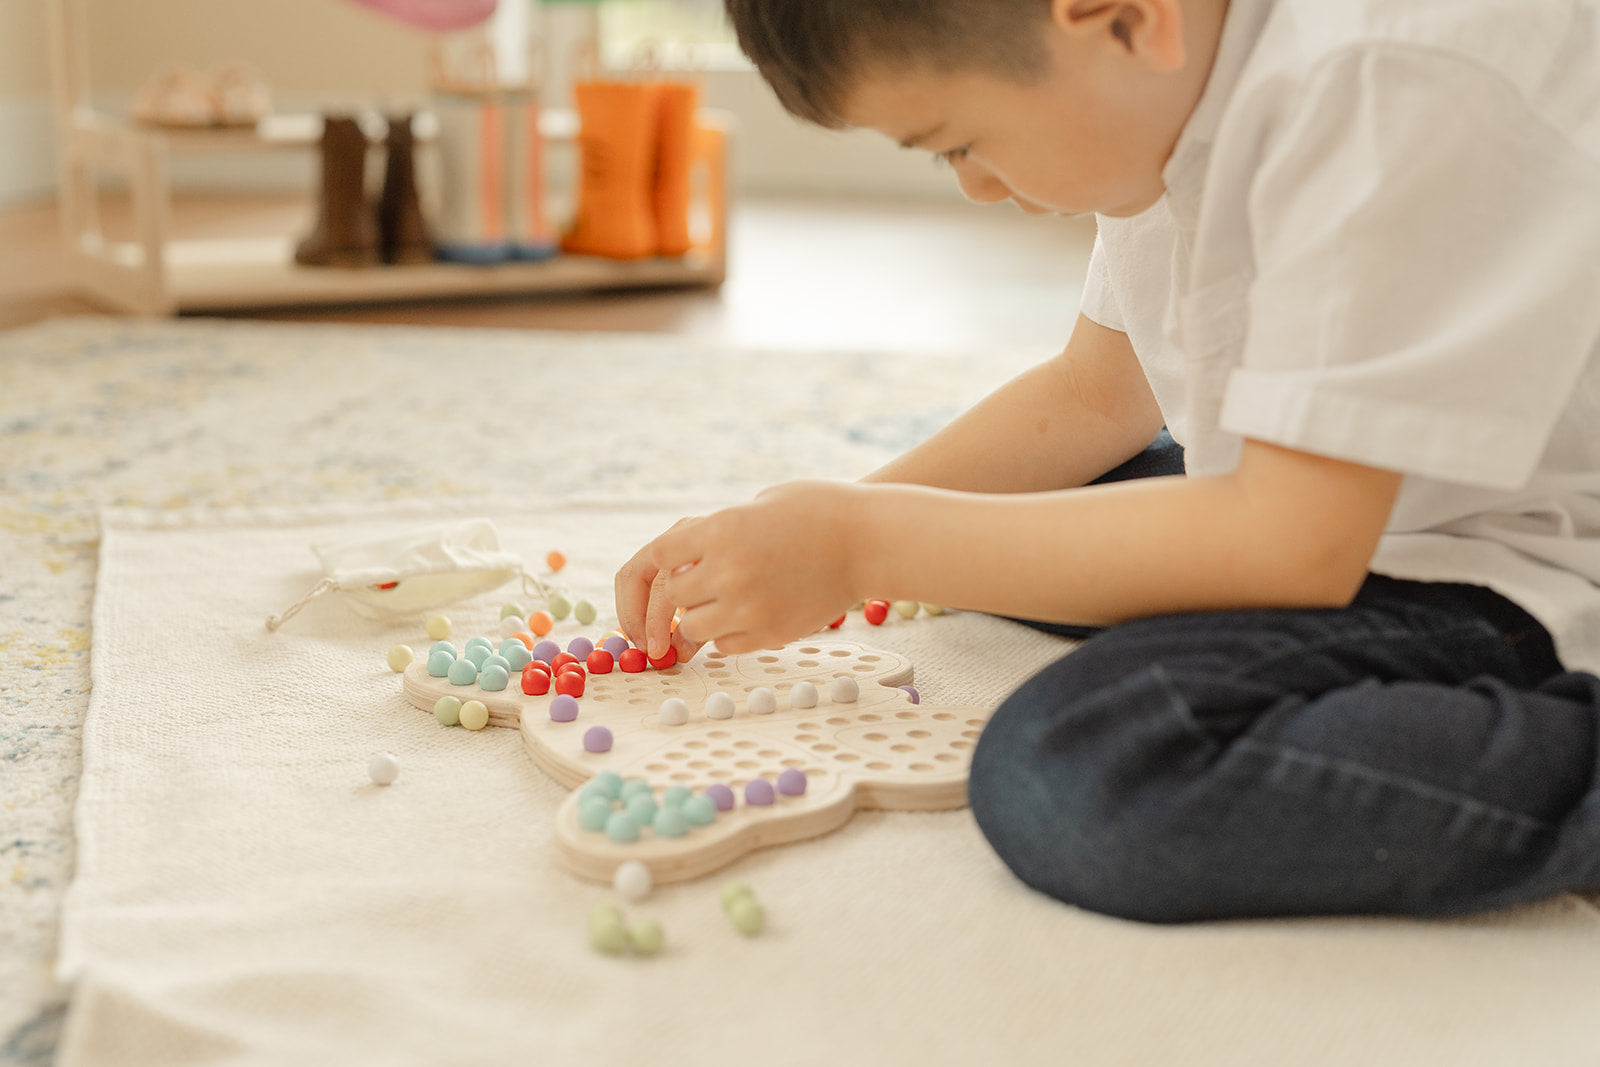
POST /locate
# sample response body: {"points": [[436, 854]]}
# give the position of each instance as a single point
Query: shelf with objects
{"points": [[488, 217]]}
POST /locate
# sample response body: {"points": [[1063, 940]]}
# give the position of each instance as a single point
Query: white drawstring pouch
{"points": [[414, 571]]}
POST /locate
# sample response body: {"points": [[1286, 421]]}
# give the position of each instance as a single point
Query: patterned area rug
{"points": [[100, 412]]}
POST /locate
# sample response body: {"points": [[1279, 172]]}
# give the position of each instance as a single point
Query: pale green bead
{"points": [[438, 627], [606, 931], [593, 812], [558, 606], [508, 611], [447, 710], [734, 891], [907, 609], [747, 916], [933, 609], [646, 937], [699, 810], [585, 612], [400, 657]]}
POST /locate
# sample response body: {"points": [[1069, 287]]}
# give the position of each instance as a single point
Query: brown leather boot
{"points": [[402, 231], [345, 234]]}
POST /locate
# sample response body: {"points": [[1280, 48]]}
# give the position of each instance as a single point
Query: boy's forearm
{"points": [[1060, 424], [1106, 554]]}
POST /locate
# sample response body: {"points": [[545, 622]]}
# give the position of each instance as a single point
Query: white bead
{"points": [[762, 701], [844, 690], [383, 768], [719, 706], [674, 711], [632, 880], [511, 625], [803, 695]]}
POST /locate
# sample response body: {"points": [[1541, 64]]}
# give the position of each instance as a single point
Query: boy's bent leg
{"points": [[1397, 756]]}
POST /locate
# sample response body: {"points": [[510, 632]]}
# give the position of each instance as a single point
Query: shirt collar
{"points": [[1241, 29]]}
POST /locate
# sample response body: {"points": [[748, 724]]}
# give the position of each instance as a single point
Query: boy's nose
{"points": [[979, 185]]}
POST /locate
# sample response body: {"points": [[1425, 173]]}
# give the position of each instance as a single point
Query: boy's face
{"points": [[1091, 134]]}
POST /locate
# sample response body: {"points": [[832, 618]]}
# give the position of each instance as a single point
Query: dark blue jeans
{"points": [[1419, 752]]}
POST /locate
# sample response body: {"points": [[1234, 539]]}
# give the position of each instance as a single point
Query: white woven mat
{"points": [[245, 895]]}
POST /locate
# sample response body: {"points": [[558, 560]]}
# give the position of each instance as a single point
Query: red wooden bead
{"points": [[535, 683], [562, 659], [662, 662], [632, 660], [570, 683], [571, 668], [836, 623], [876, 611], [600, 661]]}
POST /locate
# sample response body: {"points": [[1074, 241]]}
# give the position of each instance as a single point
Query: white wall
{"points": [[27, 160]]}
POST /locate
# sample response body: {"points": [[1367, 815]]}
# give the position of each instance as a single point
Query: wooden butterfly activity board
{"points": [[878, 750]]}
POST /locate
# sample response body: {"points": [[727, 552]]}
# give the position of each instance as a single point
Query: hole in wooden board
{"points": [[903, 748], [766, 659], [919, 734], [923, 767], [941, 716], [879, 765], [846, 757], [809, 651]]}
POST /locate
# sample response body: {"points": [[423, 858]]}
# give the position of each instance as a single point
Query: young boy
{"points": [[1349, 255]]}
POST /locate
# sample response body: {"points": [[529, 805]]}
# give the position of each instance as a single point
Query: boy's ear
{"points": [[1149, 30]]}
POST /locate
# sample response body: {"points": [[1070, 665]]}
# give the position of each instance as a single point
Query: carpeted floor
{"points": [[99, 412]]}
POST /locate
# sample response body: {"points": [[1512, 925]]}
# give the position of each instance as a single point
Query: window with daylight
{"points": [[674, 33]]}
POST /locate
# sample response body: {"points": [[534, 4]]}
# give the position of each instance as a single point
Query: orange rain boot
{"points": [[678, 103], [617, 145]]}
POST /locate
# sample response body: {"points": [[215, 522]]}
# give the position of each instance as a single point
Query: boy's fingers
{"points": [[658, 618], [632, 590]]}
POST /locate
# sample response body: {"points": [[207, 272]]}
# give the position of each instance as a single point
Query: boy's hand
{"points": [[749, 577]]}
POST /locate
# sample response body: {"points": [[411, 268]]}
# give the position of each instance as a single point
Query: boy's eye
{"points": [[951, 155]]}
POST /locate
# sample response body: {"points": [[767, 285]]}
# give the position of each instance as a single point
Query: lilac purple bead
{"points": [[792, 782], [758, 791], [546, 650], [616, 644], [580, 647], [911, 691], [597, 739], [563, 708], [721, 796]]}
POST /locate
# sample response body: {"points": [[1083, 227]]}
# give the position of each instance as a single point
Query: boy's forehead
{"points": [[910, 108]]}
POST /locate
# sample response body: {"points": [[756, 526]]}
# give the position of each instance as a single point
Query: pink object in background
{"points": [[436, 15]]}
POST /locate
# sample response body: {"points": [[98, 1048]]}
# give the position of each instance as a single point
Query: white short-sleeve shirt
{"points": [[1381, 242]]}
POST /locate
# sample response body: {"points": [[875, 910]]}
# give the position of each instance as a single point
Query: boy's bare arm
{"points": [[1285, 529], [1060, 424]]}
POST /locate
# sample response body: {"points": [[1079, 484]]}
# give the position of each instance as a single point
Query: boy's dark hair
{"points": [[811, 51]]}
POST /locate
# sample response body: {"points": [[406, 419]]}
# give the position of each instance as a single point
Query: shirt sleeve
{"points": [[1427, 271], [1099, 302]]}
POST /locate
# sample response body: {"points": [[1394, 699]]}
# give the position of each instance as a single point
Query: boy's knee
{"points": [[1074, 791]]}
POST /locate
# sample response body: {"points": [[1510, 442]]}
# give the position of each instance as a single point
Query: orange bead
{"points": [[555, 561], [525, 638], [541, 623]]}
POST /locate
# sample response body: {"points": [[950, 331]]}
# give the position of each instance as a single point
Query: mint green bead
{"points": [[608, 782], [642, 806], [477, 654], [496, 660], [463, 672], [699, 810], [632, 787], [518, 657], [480, 642], [674, 796], [670, 822], [447, 710], [439, 661], [442, 646], [558, 606], [622, 827], [595, 789], [509, 610], [585, 612], [594, 812], [493, 679]]}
